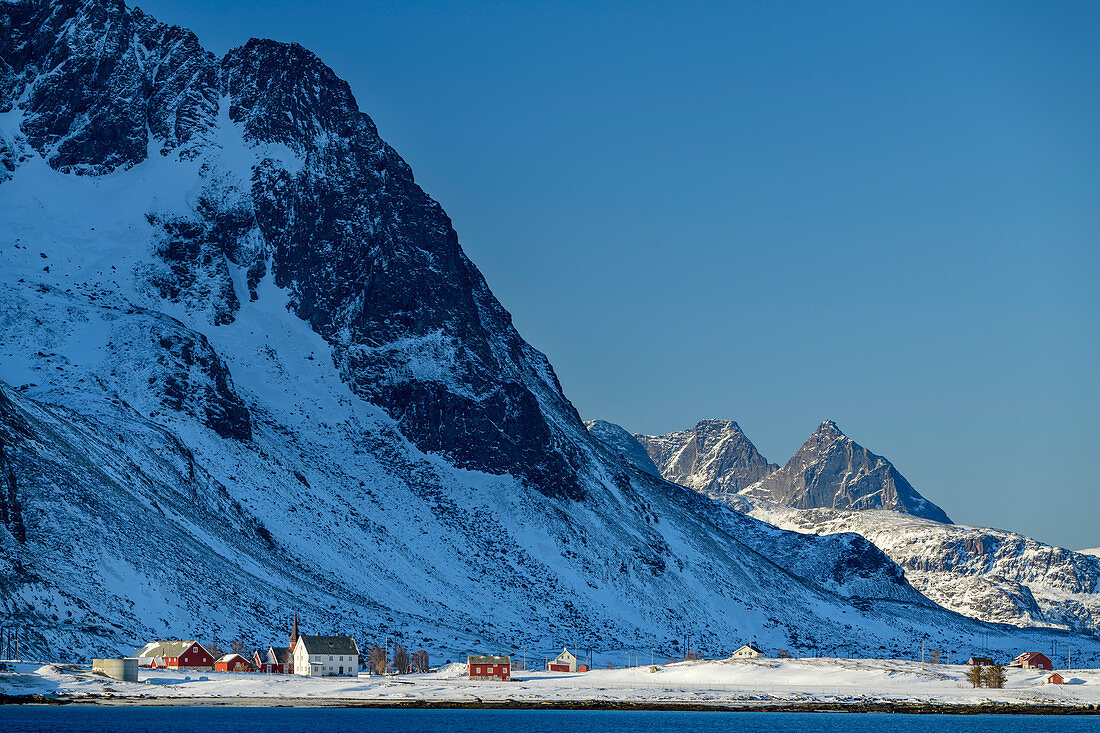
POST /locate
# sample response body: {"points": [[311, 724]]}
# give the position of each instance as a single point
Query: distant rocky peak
{"points": [[829, 429], [832, 471], [714, 457]]}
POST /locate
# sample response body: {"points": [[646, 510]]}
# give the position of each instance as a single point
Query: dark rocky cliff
{"points": [[369, 259]]}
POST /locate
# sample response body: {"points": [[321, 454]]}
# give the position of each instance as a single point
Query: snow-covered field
{"points": [[704, 682]]}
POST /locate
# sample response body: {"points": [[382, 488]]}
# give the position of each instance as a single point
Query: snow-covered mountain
{"points": [[623, 444], [246, 367], [1094, 551], [832, 471], [714, 457], [988, 574]]}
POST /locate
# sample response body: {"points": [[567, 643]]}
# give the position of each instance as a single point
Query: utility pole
{"points": [[922, 652]]}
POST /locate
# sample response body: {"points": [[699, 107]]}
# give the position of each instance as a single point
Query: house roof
{"points": [[165, 648], [751, 646], [1028, 656], [329, 644], [279, 655], [565, 654], [231, 657], [488, 659]]}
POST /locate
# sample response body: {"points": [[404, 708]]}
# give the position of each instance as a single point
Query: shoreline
{"points": [[914, 708]]}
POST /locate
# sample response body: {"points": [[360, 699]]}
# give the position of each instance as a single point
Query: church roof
{"points": [[329, 644]]}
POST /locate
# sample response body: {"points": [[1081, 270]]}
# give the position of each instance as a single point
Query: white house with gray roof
{"points": [[748, 651], [326, 656]]}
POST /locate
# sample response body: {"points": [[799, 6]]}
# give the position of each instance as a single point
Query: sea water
{"points": [[136, 719]]}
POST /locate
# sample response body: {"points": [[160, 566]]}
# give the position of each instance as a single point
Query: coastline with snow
{"points": [[762, 684]]}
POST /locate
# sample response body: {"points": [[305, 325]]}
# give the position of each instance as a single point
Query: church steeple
{"points": [[294, 632]]}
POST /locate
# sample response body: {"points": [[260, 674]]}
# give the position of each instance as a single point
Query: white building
{"points": [[326, 656], [748, 651], [564, 662]]}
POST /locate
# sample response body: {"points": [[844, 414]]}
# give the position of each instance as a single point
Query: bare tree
{"points": [[994, 676], [214, 649], [401, 659], [975, 675], [783, 654], [934, 656], [237, 646], [420, 661], [377, 659]]}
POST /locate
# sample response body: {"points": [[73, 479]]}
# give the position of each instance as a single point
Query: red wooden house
{"points": [[177, 655], [489, 668], [1055, 679], [232, 663], [1032, 660]]}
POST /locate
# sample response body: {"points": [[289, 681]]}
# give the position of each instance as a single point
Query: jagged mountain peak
{"points": [[832, 471], [713, 457]]}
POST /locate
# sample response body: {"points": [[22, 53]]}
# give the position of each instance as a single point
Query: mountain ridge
{"points": [[713, 457], [246, 366], [830, 470]]}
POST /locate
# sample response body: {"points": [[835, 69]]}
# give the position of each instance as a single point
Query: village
{"points": [[335, 670], [196, 670]]}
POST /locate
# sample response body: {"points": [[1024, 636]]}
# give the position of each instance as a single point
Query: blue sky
{"points": [[884, 214]]}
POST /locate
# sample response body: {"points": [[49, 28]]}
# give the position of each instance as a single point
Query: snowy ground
{"points": [[702, 682]]}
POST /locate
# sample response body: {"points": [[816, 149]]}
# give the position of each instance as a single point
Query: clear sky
{"points": [[885, 214]]}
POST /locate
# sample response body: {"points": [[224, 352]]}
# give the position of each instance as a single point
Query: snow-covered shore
{"points": [[727, 682]]}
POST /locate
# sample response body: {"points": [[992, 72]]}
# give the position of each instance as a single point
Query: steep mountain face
{"points": [[832, 471], [335, 207], [714, 457], [245, 366], [620, 442], [989, 574]]}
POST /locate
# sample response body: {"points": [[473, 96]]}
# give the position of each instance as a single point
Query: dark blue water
{"points": [[60, 719]]}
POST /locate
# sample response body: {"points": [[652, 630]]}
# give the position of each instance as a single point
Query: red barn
{"points": [[232, 663], [1055, 679], [489, 668], [1032, 660], [281, 659], [178, 655]]}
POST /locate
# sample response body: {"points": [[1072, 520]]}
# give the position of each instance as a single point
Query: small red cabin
{"points": [[489, 668], [232, 663], [1055, 679], [1033, 660]]}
